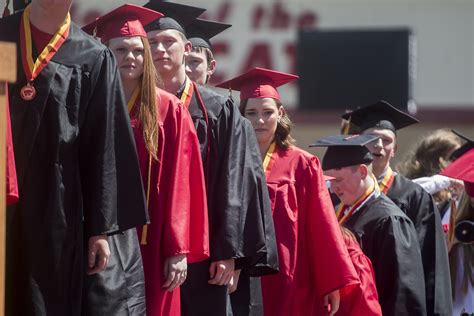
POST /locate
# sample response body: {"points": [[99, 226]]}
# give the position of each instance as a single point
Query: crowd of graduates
{"points": [[135, 189]]}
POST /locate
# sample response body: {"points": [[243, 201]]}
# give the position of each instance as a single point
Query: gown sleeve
{"points": [[112, 188], [433, 184], [332, 267], [434, 254], [10, 171], [362, 300], [421, 209], [239, 201], [398, 267], [186, 221]]}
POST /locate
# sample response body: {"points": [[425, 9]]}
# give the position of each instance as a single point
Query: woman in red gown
{"points": [[314, 262], [169, 156]]}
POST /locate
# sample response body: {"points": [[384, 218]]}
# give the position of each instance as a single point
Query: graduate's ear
{"points": [[187, 48], [281, 111], [211, 68], [364, 171], [395, 148]]}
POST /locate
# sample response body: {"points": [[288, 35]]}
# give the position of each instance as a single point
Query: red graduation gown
{"points": [[362, 300], [177, 200], [10, 172], [313, 258]]}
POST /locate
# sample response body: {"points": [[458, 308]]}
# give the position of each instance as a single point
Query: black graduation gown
{"points": [[387, 236], [78, 173], [421, 209], [240, 217], [120, 289]]}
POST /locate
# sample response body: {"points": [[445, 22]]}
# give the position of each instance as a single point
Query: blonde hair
{"points": [[430, 156], [283, 139], [148, 109]]}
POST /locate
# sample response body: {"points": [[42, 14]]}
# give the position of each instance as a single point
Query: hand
{"points": [[332, 299], [234, 281], [98, 254], [175, 272], [221, 272], [456, 188]]}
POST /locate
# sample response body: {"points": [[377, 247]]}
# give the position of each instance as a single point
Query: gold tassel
{"points": [[452, 221], [347, 127]]}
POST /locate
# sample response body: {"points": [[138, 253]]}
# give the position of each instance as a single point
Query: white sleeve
{"points": [[433, 184]]}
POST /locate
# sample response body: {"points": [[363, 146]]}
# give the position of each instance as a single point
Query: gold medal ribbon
{"points": [[134, 97], [33, 68], [387, 181], [187, 93], [267, 161]]}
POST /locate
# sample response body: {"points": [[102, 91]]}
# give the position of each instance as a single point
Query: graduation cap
{"points": [[345, 151], [463, 169], [258, 83], [126, 20], [200, 32], [177, 16], [379, 115], [469, 144]]}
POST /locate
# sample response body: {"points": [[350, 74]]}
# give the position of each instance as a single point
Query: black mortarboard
{"points": [[379, 115], [345, 151], [177, 16], [201, 31], [469, 144]]}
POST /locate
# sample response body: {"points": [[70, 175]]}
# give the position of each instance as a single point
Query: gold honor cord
{"points": [[134, 97], [185, 94], [342, 216], [145, 227], [130, 104], [387, 181], [268, 157]]}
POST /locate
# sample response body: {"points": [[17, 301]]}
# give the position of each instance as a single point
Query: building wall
{"points": [[264, 34]]}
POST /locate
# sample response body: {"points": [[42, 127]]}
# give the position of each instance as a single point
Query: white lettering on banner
{"points": [[264, 33]]}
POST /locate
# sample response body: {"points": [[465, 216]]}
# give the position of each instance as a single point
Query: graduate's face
{"points": [[197, 67], [264, 114], [129, 53], [168, 49], [382, 149], [347, 183]]}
